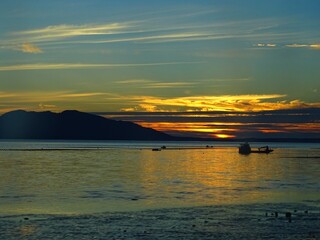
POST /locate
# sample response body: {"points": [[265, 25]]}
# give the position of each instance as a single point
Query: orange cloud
{"points": [[30, 48], [148, 107], [80, 95], [228, 103], [224, 136]]}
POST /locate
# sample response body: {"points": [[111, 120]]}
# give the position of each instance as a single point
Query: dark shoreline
{"points": [[245, 221]]}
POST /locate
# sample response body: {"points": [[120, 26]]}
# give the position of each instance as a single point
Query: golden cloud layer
{"points": [[228, 103]]}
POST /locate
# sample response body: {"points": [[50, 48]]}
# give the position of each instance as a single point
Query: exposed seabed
{"points": [[252, 221]]}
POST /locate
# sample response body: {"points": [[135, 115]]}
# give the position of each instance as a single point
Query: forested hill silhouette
{"points": [[74, 125]]}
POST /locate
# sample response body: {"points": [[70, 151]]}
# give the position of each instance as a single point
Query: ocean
{"points": [[41, 179]]}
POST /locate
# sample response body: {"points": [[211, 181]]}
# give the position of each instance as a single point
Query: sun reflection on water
{"points": [[132, 179]]}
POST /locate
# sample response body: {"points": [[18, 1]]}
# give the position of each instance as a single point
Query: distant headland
{"points": [[72, 125]]}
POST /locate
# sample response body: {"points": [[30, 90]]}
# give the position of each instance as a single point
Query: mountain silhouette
{"points": [[72, 125]]}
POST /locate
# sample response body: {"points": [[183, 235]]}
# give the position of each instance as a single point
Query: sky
{"points": [[203, 68]]}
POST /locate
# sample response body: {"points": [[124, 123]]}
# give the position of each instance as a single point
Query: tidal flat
{"points": [[253, 221]]}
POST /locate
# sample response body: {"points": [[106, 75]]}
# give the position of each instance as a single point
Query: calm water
{"points": [[92, 177]]}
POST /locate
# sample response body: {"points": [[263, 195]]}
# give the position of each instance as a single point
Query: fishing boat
{"points": [[246, 149], [265, 149]]}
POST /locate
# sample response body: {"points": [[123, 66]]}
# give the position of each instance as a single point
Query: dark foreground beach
{"points": [[255, 221]]}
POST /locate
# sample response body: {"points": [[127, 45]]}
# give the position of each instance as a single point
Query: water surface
{"points": [[93, 177]]}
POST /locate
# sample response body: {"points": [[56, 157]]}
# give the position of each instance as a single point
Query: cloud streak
{"points": [[80, 95], [168, 84], [144, 83], [57, 66], [294, 45], [30, 48], [162, 26], [47, 96], [58, 32], [51, 100], [157, 30], [53, 35], [310, 46], [270, 45]]}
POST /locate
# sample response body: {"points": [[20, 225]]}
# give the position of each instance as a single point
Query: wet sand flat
{"points": [[254, 221]]}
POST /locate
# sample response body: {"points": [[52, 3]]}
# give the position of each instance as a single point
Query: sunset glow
{"points": [[229, 130], [230, 125], [233, 60], [224, 136], [163, 119]]}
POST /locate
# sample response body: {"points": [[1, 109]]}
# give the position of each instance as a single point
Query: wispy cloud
{"points": [[144, 83], [135, 81], [30, 48], [270, 45], [49, 100], [47, 106], [56, 66], [315, 46], [297, 45], [175, 35], [169, 84], [294, 45], [58, 32], [53, 100], [158, 38], [80, 95], [152, 30], [7, 95], [161, 26], [311, 46], [45, 96], [226, 79]]}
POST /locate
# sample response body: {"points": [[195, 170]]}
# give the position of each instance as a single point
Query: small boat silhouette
{"points": [[265, 149]]}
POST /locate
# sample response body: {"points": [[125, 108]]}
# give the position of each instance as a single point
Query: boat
{"points": [[156, 149], [265, 149], [246, 149]]}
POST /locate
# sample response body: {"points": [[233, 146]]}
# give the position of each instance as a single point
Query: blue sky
{"points": [[99, 56]]}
